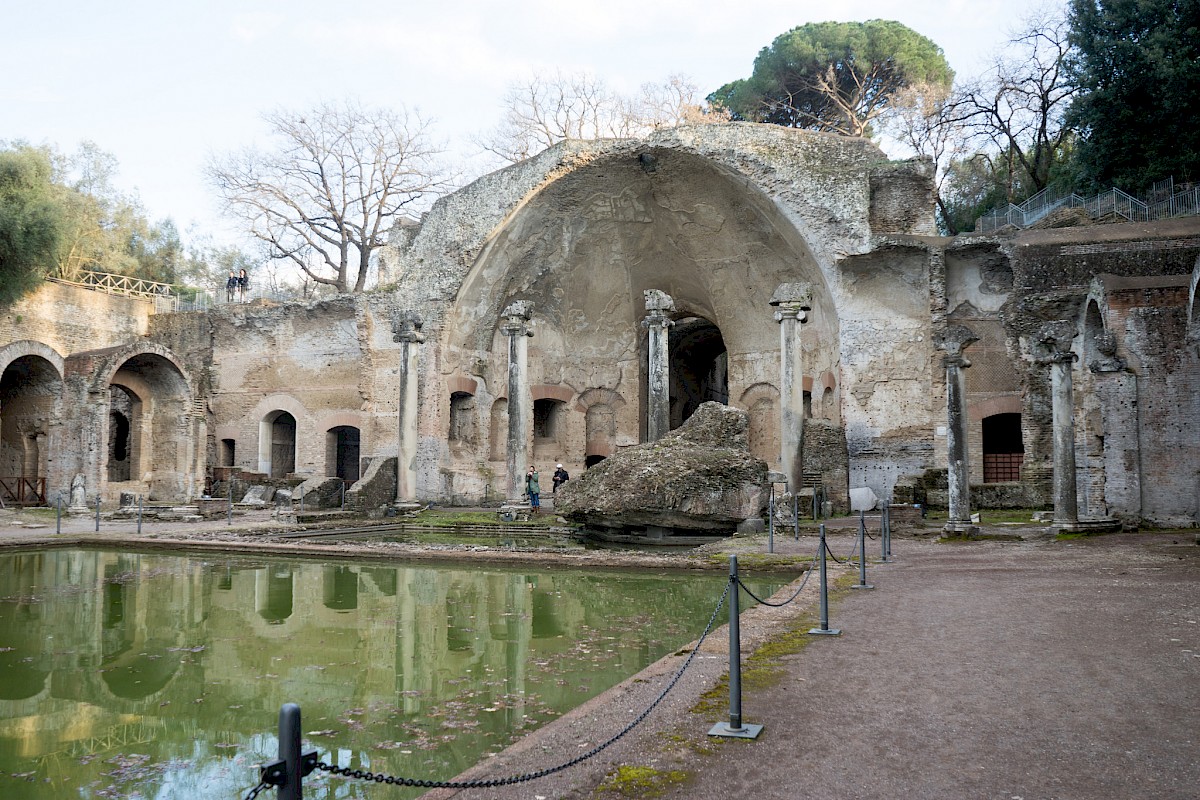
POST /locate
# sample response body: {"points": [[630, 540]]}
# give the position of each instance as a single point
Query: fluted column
{"points": [[792, 302], [953, 340], [658, 370], [1055, 339], [520, 403], [406, 329]]}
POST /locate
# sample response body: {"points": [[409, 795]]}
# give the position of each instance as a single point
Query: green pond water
{"points": [[161, 676]]}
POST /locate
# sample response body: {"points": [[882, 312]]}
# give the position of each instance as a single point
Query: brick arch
{"points": [[546, 391], [599, 394], [461, 383], [114, 361], [1009, 404], [30, 347], [351, 419]]}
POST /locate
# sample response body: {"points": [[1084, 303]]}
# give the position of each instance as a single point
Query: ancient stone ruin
{"points": [[698, 479], [592, 298]]}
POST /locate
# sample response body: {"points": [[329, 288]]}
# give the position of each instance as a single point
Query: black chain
{"points": [[254, 792], [838, 560], [513, 779], [799, 589]]}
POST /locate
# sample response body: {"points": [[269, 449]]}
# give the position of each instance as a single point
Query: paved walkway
{"points": [[983, 670]]}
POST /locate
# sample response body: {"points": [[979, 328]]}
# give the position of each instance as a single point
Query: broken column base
{"points": [[1086, 527], [515, 512], [961, 530]]}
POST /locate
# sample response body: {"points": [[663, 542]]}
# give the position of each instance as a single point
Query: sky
{"points": [[162, 84]]}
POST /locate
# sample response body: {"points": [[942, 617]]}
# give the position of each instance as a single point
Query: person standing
{"points": [[243, 285], [230, 287], [533, 487], [560, 477]]}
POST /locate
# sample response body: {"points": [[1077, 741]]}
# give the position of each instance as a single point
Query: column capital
{"points": [[658, 305], [1053, 341], [406, 327], [953, 340], [516, 318], [792, 301]]}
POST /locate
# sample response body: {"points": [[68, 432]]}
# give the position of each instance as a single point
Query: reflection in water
{"points": [[162, 676]]}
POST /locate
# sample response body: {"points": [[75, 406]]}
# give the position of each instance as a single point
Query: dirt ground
{"points": [[987, 669]]}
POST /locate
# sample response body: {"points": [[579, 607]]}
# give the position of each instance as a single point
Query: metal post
{"points": [[889, 531], [230, 510], [862, 553], [289, 751], [97, 513], [734, 727], [58, 514], [302, 500], [796, 514], [139, 515], [343, 495], [824, 629], [771, 520], [885, 535]]}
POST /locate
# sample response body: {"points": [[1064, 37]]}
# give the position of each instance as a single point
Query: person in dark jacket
{"points": [[230, 287], [560, 477], [533, 487]]}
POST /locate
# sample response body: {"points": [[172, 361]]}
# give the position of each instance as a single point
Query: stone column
{"points": [[658, 370], [792, 302], [1055, 339], [953, 340], [406, 329], [520, 404]]}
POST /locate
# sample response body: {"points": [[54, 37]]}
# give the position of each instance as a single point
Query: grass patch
{"points": [[768, 562], [451, 519], [638, 781], [980, 537], [764, 667], [994, 516]]}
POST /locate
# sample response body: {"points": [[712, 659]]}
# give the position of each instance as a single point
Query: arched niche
{"points": [[585, 246], [277, 443], [30, 400]]}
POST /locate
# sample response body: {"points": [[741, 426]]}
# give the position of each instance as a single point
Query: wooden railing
{"points": [[161, 293], [23, 491]]}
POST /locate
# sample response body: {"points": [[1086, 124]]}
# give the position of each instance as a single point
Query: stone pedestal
{"points": [[792, 302], [406, 329], [953, 340], [520, 402], [658, 376]]}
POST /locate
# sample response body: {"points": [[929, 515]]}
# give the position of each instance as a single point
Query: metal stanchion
{"points": [[734, 727], [824, 629], [771, 520], [862, 553], [58, 514], [97, 513], [302, 500], [139, 515], [343, 495], [289, 770], [796, 515], [229, 511], [885, 536]]}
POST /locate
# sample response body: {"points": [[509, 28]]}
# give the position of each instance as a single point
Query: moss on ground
{"points": [[632, 780]]}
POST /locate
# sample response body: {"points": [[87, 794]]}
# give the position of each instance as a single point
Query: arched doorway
{"points": [[30, 388], [342, 448], [699, 367], [277, 444], [1003, 448]]}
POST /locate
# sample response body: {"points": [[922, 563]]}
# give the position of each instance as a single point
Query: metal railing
{"points": [[1163, 202]]}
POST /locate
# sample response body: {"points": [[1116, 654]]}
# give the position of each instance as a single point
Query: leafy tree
{"points": [[1137, 65], [326, 198], [834, 76], [31, 220]]}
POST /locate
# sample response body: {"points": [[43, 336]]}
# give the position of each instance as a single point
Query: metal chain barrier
{"points": [[253, 793], [514, 779], [746, 589]]}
